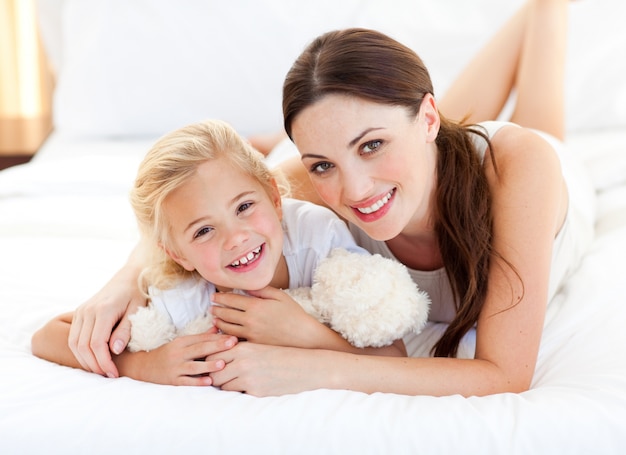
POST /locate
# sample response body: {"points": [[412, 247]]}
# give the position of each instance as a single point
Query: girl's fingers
{"points": [[203, 345], [195, 381], [203, 367], [235, 330], [233, 301], [233, 316]]}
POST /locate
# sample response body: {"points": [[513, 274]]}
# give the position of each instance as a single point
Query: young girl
{"points": [[212, 215]]}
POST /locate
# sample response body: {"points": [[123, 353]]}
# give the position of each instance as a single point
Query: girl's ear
{"points": [[430, 114], [276, 199], [184, 263]]}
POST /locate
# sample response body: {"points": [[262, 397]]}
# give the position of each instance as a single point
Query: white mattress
{"points": [[65, 227]]}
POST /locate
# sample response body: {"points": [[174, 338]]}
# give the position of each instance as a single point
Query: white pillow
{"points": [[145, 67]]}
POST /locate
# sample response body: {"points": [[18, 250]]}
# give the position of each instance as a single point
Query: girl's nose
{"points": [[234, 237]]}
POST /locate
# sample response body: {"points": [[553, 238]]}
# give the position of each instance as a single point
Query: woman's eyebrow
{"points": [[353, 142]]}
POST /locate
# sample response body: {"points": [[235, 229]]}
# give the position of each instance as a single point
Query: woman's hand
{"points": [[268, 316], [263, 370], [92, 337], [182, 361]]}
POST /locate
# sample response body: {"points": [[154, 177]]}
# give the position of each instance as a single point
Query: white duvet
{"points": [[66, 226]]}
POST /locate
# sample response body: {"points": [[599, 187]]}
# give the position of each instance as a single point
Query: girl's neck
{"points": [[281, 276]]}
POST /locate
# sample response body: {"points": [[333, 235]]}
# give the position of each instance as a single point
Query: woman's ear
{"points": [[184, 263], [430, 115]]}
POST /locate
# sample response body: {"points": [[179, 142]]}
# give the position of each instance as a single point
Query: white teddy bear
{"points": [[370, 300]]}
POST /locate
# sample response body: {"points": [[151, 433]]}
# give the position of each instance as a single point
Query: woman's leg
{"points": [[528, 54]]}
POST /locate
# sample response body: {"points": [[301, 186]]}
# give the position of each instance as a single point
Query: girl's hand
{"points": [[182, 361], [269, 316]]}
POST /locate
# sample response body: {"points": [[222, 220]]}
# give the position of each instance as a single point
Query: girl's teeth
{"points": [[376, 205], [247, 258]]}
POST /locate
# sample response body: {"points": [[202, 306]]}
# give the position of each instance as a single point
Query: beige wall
{"points": [[25, 80]]}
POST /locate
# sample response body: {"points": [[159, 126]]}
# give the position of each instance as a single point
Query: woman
{"points": [[480, 214]]}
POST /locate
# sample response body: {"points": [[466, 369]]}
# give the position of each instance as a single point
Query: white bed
{"points": [[66, 226]]}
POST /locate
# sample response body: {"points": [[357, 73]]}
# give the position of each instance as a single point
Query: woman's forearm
{"points": [[411, 376]]}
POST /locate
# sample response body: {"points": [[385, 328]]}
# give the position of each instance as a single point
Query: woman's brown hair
{"points": [[370, 65]]}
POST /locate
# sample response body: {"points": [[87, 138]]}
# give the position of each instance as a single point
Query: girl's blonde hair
{"points": [[170, 163]]}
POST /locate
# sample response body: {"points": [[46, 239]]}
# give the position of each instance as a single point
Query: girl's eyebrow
{"points": [[241, 195], [232, 201]]}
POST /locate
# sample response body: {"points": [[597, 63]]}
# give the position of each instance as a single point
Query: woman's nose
{"points": [[356, 184]]}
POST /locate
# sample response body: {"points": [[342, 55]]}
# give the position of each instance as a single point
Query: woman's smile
{"points": [[376, 210]]}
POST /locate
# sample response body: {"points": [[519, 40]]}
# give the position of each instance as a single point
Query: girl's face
{"points": [[372, 163], [226, 226]]}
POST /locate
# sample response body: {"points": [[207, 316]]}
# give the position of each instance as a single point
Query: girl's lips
{"points": [[377, 209], [248, 259]]}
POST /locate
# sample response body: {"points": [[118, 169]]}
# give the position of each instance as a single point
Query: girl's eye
{"points": [[371, 146], [320, 168], [202, 231], [243, 207]]}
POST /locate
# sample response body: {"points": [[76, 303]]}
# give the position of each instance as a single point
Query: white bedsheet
{"points": [[143, 67], [66, 226]]}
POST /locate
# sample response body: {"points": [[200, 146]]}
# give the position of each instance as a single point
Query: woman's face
{"points": [[373, 164], [226, 226]]}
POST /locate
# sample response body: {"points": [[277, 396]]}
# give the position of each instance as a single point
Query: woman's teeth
{"points": [[376, 205], [247, 258]]}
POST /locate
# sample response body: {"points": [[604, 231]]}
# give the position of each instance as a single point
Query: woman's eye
{"points": [[320, 168], [372, 146], [243, 207], [202, 231]]}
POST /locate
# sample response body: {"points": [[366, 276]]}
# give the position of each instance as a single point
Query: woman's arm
{"points": [[529, 203], [179, 362], [100, 326]]}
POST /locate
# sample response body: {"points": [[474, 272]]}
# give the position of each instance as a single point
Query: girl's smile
{"points": [[249, 260]]}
